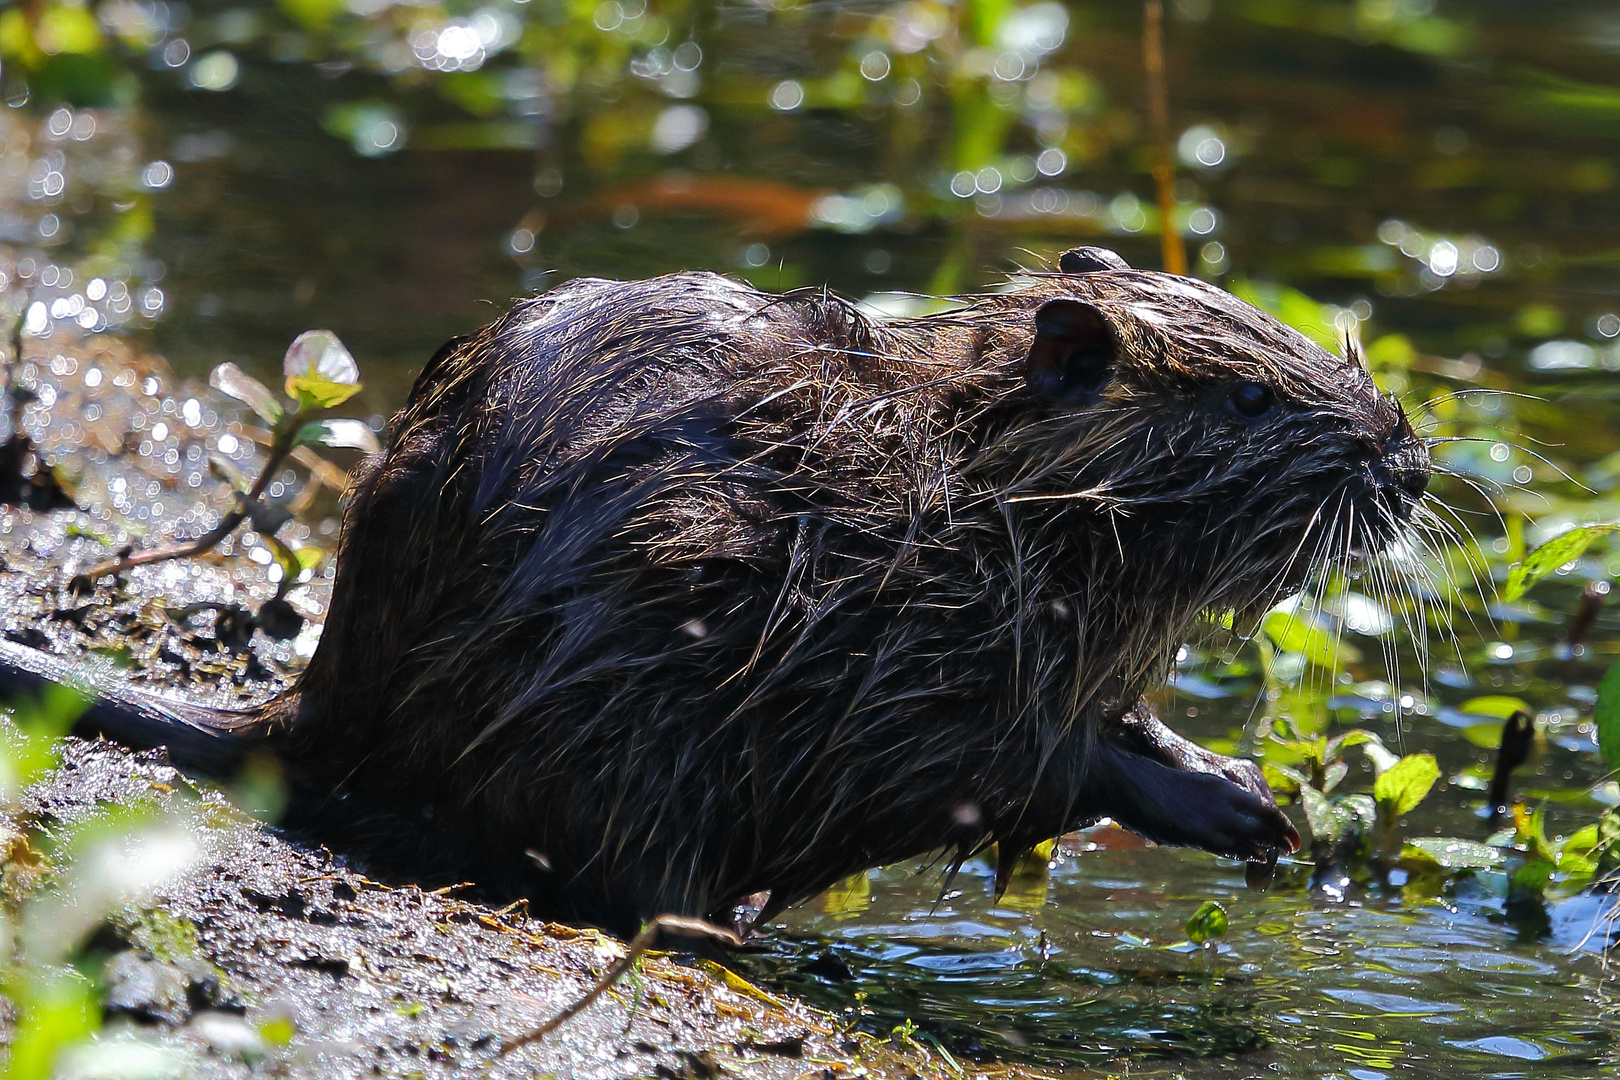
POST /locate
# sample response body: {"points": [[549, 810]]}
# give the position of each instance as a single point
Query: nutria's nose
{"points": [[1405, 463], [1408, 467]]}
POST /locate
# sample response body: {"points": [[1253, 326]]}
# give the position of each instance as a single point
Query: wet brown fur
{"points": [[698, 591]]}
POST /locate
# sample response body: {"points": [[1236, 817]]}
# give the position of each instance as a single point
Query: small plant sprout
{"points": [[1207, 923], [1363, 827], [1553, 869], [319, 374], [1401, 785], [1317, 762]]}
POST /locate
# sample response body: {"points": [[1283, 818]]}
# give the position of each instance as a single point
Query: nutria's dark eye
{"points": [[1250, 400]]}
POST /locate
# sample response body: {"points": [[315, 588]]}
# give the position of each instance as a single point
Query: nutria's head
{"points": [[1226, 454]]}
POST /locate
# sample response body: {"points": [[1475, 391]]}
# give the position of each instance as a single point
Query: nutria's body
{"points": [[698, 592]]}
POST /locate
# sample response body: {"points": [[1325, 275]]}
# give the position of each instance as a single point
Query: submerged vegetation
{"points": [[1430, 183]]}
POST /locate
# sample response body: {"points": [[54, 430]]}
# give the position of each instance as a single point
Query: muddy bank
{"points": [[267, 940]]}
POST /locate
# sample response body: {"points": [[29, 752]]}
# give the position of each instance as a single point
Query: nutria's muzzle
{"points": [[1402, 472]]}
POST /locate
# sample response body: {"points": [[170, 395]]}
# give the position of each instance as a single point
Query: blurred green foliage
{"points": [[60, 884]]}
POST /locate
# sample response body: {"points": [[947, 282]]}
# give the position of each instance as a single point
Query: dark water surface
{"points": [[1440, 179]]}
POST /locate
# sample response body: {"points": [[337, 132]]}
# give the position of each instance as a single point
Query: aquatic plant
{"points": [[319, 374]]}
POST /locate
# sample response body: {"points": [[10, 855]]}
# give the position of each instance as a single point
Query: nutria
{"points": [[688, 592]]}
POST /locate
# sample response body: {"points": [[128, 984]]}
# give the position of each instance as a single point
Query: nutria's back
{"points": [[696, 591]]}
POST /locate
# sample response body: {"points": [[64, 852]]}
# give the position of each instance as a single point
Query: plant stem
{"points": [[639, 946], [1164, 174], [285, 436]]}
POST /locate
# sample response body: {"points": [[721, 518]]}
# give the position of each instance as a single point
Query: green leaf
{"points": [[1356, 814], [320, 372], [1550, 556], [1407, 782], [68, 28], [1606, 715], [278, 1031], [1580, 842], [1575, 854], [1353, 737], [1382, 758], [284, 557], [1533, 875], [1281, 779], [1209, 921], [1538, 835], [313, 14], [1297, 631], [1609, 826], [1577, 866], [56, 1011], [1333, 819], [1486, 736], [17, 37], [1318, 814], [1453, 853], [32, 746], [233, 381], [342, 434], [1498, 705]]}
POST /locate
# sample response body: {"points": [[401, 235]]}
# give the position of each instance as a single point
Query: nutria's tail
{"points": [[213, 741]]}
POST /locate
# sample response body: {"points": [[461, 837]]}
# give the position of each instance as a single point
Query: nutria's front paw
{"points": [[1224, 816], [1221, 816], [1244, 820], [1228, 810]]}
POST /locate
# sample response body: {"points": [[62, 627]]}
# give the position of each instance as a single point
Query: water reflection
{"points": [[988, 131], [1100, 970]]}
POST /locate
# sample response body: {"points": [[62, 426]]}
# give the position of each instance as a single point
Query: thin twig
{"points": [[282, 446], [639, 946], [1164, 173]]}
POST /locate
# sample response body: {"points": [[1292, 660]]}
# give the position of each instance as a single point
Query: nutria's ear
{"points": [[1072, 354], [1084, 260]]}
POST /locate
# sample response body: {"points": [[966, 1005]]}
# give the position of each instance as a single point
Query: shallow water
{"points": [[1094, 973], [1443, 176], [1091, 965]]}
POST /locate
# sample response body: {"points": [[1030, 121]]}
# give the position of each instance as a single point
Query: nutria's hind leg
{"points": [[1158, 784]]}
